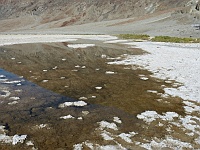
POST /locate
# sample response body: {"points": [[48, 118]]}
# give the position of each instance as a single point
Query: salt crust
{"points": [[98, 88], [110, 72], [11, 139], [168, 142], [105, 124], [80, 45], [149, 116], [178, 62], [78, 104], [117, 120], [14, 98], [67, 117], [19, 39]]}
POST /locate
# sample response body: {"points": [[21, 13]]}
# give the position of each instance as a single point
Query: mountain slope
{"points": [[34, 14]]}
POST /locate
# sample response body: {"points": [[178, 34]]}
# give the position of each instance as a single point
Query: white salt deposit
{"points": [[168, 82], [85, 112], [55, 67], [78, 104], [179, 62], [117, 41], [144, 78], [126, 137], [14, 98], [12, 82], [67, 117], [13, 103], [3, 137], [80, 118], [78, 146], [112, 147], [66, 104], [18, 90], [103, 56], [190, 123], [80, 45], [29, 143], [74, 70], [191, 107], [106, 136], [149, 116], [83, 98], [17, 39], [89, 145], [96, 37], [117, 120], [168, 142], [2, 76], [41, 126], [152, 91], [5, 93], [110, 72], [98, 88], [105, 124], [18, 139]]}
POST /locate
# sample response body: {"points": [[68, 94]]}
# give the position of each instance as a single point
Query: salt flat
{"points": [[22, 38], [177, 64], [170, 61]]}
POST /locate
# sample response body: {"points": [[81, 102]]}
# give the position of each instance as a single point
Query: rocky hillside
{"points": [[16, 14]]}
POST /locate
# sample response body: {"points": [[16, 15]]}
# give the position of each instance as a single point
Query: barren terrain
{"points": [[67, 82], [121, 97], [174, 18]]}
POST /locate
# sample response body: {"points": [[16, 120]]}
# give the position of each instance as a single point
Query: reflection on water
{"points": [[78, 73], [37, 115], [82, 74]]}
